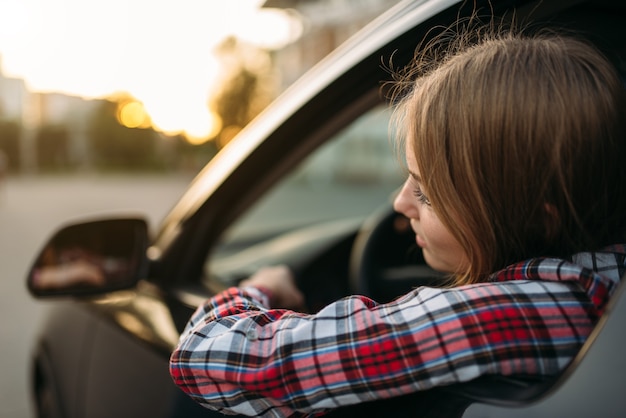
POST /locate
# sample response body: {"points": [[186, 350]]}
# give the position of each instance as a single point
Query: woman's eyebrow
{"points": [[415, 176]]}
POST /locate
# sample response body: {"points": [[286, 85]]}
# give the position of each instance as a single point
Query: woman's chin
{"points": [[435, 263]]}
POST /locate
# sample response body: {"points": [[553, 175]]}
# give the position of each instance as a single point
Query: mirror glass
{"points": [[91, 257]]}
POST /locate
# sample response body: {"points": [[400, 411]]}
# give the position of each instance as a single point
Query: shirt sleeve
{"points": [[238, 356]]}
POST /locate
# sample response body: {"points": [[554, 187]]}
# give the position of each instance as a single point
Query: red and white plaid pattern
{"points": [[239, 356]]}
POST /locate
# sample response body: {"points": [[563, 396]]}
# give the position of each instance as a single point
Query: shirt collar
{"points": [[598, 272]]}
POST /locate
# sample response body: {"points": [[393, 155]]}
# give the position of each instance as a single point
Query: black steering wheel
{"points": [[386, 261]]}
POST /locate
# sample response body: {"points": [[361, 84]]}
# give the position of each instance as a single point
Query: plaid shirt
{"points": [[239, 356]]}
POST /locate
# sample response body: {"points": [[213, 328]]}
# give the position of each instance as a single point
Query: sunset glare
{"points": [[159, 52]]}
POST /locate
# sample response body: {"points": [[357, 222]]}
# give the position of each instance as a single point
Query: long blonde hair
{"points": [[521, 146]]}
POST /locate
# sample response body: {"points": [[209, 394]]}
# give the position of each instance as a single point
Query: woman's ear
{"points": [[552, 221]]}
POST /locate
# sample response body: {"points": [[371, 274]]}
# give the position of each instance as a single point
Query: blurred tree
{"points": [[10, 144], [114, 146], [191, 157], [52, 145], [247, 86]]}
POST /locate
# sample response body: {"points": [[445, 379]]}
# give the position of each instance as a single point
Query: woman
{"points": [[513, 149]]}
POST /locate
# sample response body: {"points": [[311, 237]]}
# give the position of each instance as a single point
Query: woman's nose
{"points": [[406, 203]]}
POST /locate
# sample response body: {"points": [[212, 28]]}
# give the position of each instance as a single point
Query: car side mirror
{"points": [[91, 258]]}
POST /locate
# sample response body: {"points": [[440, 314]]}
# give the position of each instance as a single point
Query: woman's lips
{"points": [[418, 239]]}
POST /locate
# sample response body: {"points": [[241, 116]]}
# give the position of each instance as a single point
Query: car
{"points": [[309, 184]]}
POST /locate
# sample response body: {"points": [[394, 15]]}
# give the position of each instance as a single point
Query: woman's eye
{"points": [[421, 196]]}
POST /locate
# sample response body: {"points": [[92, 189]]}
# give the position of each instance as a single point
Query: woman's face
{"points": [[441, 250]]}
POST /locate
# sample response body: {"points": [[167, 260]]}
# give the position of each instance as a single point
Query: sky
{"points": [[159, 51]]}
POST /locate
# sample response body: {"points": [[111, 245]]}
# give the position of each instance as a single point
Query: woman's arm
{"points": [[239, 356]]}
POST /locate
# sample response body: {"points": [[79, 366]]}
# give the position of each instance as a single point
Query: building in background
{"points": [[13, 96], [55, 132], [39, 128]]}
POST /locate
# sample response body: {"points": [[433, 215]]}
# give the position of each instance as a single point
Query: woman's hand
{"points": [[280, 282]]}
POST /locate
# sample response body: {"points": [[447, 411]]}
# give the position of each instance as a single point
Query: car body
{"points": [[103, 351]]}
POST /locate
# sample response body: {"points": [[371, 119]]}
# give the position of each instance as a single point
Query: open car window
{"points": [[350, 176]]}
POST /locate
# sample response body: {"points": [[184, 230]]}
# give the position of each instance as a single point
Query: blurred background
{"points": [[115, 105]]}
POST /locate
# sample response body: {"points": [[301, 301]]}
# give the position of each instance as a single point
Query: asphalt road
{"points": [[30, 210]]}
